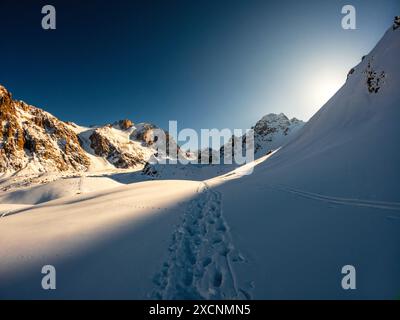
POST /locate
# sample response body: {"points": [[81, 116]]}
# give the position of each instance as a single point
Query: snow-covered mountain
{"points": [[118, 144], [270, 132], [274, 131], [33, 141]]}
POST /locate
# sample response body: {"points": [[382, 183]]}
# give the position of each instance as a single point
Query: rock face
{"points": [[374, 79], [396, 23], [125, 124], [270, 132], [33, 139], [144, 133], [126, 145], [118, 149], [274, 130]]}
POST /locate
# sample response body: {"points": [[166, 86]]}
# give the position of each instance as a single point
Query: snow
{"points": [[325, 199], [105, 244], [328, 198], [57, 189], [97, 164], [350, 147], [273, 131]]}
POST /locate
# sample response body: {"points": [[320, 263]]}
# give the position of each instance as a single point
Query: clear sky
{"points": [[207, 64]]}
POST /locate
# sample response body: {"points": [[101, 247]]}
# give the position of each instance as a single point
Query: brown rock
{"points": [[125, 124], [28, 132], [117, 154]]}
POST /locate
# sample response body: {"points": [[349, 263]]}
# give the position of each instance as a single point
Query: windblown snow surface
{"points": [[326, 199]]}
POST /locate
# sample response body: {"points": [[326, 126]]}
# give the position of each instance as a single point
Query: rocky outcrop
{"points": [[119, 151], [350, 72], [145, 133], [374, 79], [270, 132], [125, 124], [396, 23], [31, 137]]}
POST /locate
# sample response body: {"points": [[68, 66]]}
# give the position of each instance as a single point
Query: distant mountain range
{"points": [[34, 141]]}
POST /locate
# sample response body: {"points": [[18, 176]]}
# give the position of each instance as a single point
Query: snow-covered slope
{"points": [[350, 146], [328, 198], [112, 242], [59, 188]]}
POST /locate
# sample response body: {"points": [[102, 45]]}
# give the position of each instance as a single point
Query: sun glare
{"points": [[323, 87]]}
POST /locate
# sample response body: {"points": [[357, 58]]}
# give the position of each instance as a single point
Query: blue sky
{"points": [[206, 64]]}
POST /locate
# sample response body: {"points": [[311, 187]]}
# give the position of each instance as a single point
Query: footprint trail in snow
{"points": [[201, 255]]}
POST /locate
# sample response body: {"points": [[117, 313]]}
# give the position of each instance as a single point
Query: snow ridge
{"points": [[201, 255]]}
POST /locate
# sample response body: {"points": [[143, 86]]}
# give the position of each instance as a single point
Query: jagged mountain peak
{"points": [[274, 116], [7, 107], [277, 117], [123, 124], [33, 140], [4, 92], [273, 130], [273, 121], [270, 132]]}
